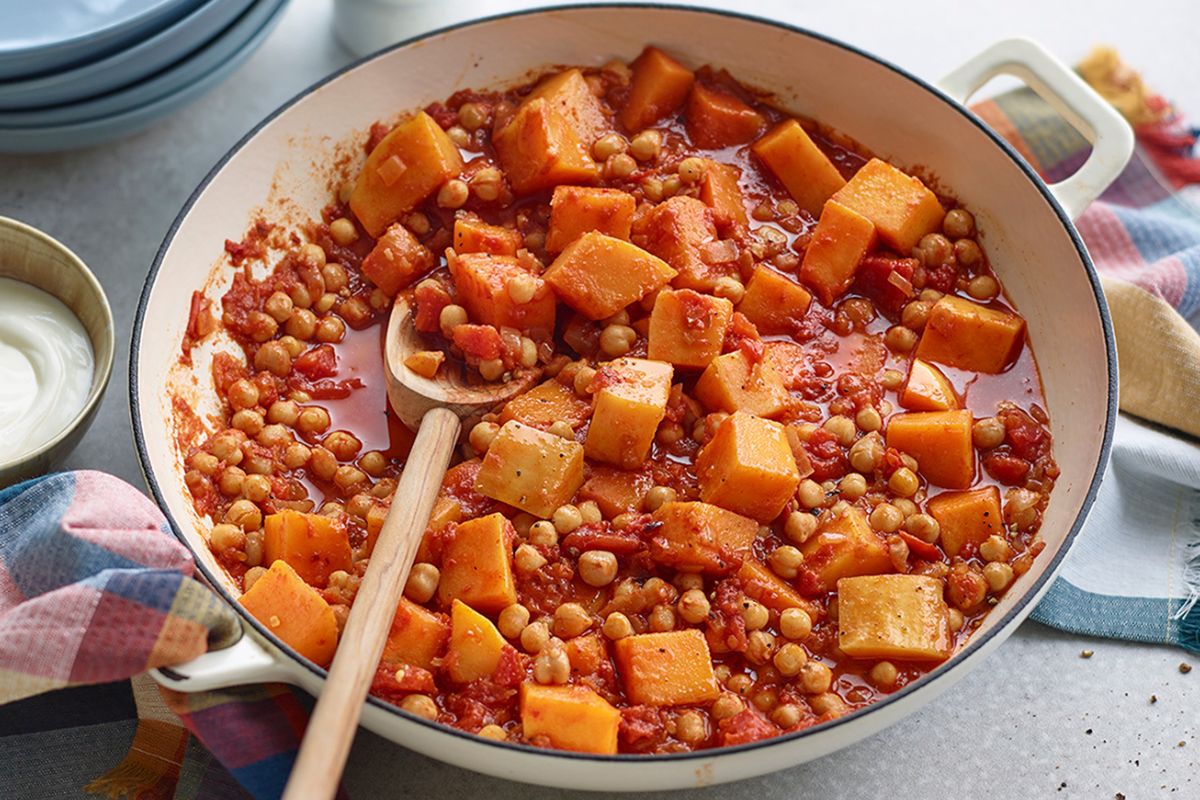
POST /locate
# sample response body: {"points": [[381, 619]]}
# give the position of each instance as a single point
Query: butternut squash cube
{"points": [[717, 119], [293, 611], [720, 190], [773, 302], [616, 491], [676, 231], [598, 275], [539, 149], [966, 519], [898, 617], [659, 86], [567, 93], [473, 235], [576, 210], [586, 653], [927, 389], [475, 644], [901, 206], [628, 405], [545, 404], [763, 585], [845, 546], [311, 544], [748, 467], [732, 382], [477, 564], [666, 669], [396, 260], [806, 172], [940, 441], [530, 469], [839, 242], [687, 328], [571, 717], [416, 638], [969, 336], [700, 537], [408, 165], [482, 282]]}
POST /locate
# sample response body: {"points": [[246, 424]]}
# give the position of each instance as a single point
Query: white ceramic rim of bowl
{"points": [[974, 645], [101, 371], [181, 71], [114, 73]]}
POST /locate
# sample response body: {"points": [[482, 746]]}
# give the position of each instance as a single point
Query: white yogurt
{"points": [[46, 366]]}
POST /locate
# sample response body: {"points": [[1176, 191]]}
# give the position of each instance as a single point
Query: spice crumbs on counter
{"points": [[1087, 653], [1153, 699], [1185, 667]]}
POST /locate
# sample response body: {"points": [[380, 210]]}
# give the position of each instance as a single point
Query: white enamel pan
{"points": [[1026, 226]]}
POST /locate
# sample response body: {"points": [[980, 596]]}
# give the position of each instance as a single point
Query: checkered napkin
{"points": [[94, 590]]}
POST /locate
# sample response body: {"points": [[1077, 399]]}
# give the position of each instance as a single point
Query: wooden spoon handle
{"points": [[326, 744]]}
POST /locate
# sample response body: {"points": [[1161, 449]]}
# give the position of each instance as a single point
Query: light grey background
{"points": [[1035, 720]]}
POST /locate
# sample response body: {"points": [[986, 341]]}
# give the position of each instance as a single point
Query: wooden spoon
{"points": [[437, 408]]}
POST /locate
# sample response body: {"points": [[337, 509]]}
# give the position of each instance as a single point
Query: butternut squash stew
{"points": [[785, 451]]}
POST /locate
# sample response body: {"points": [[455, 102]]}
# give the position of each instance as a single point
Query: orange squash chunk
{"points": [[416, 638], [676, 231], [586, 653], [571, 717], [773, 302], [748, 467], [701, 537], [569, 95], [397, 260], [616, 491], [477, 564], [630, 401], [475, 644], [720, 191], [717, 119], [839, 242], [408, 165], [927, 389], [940, 441], [293, 611], [763, 585], [482, 282], [666, 669], [530, 469], [545, 404], [539, 149], [899, 617], [969, 336], [576, 210], [733, 383], [846, 546], [598, 275], [901, 206], [473, 235], [966, 519], [807, 173], [659, 86], [311, 544], [687, 328]]}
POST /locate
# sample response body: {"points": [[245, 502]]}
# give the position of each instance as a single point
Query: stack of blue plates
{"points": [[75, 73]]}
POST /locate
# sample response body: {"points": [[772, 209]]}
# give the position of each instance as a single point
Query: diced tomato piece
{"points": [[826, 455], [319, 362], [478, 342], [430, 297], [873, 280], [744, 728], [1006, 468], [921, 548], [601, 537], [743, 335], [1028, 439], [642, 728]]}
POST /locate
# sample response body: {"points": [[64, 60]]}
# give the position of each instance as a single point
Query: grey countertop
{"points": [[1034, 720]]}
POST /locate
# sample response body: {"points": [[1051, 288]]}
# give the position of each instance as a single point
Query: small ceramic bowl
{"points": [[29, 255]]}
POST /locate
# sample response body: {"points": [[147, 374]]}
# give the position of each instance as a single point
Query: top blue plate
{"points": [[39, 36]]}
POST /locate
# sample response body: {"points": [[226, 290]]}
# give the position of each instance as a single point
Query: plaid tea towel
{"points": [[1134, 571]]}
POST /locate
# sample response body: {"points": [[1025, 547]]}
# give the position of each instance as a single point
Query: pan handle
{"points": [[243, 662], [1088, 112]]}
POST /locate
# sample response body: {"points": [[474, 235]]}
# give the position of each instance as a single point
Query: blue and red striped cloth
{"points": [[94, 590]]}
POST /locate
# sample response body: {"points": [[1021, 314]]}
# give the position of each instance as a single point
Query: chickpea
{"points": [[785, 561], [1020, 509], [688, 580], [343, 444], [491, 369], [296, 455], [691, 170], [998, 575], [312, 420], [348, 478], [279, 306], [231, 480], [534, 637], [693, 606], [760, 648], [610, 145], [988, 432], [283, 412], [322, 464], [227, 538], [453, 194], [331, 330], [958, 223], [373, 463], [256, 488], [810, 493], [242, 394], [726, 706], [995, 548], [543, 533], [814, 678], [302, 324], [590, 512], [360, 505], [916, 314], [900, 339], [790, 658], [420, 705], [245, 515], [343, 231], [512, 620], [521, 288], [527, 559], [494, 732], [891, 379], [690, 727], [617, 340], [983, 287], [884, 675], [571, 620], [620, 165], [853, 486], [968, 252], [562, 429], [842, 428], [966, 586], [730, 288], [886, 517], [418, 223], [616, 626], [657, 497], [583, 379], [787, 716], [754, 614], [904, 482], [924, 527], [800, 527], [204, 463], [956, 620], [646, 146], [868, 419], [662, 618], [251, 577], [262, 326], [472, 116], [567, 518], [301, 296], [795, 623], [248, 422], [422, 582], [487, 184], [482, 436], [934, 250], [598, 567], [451, 317]]}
